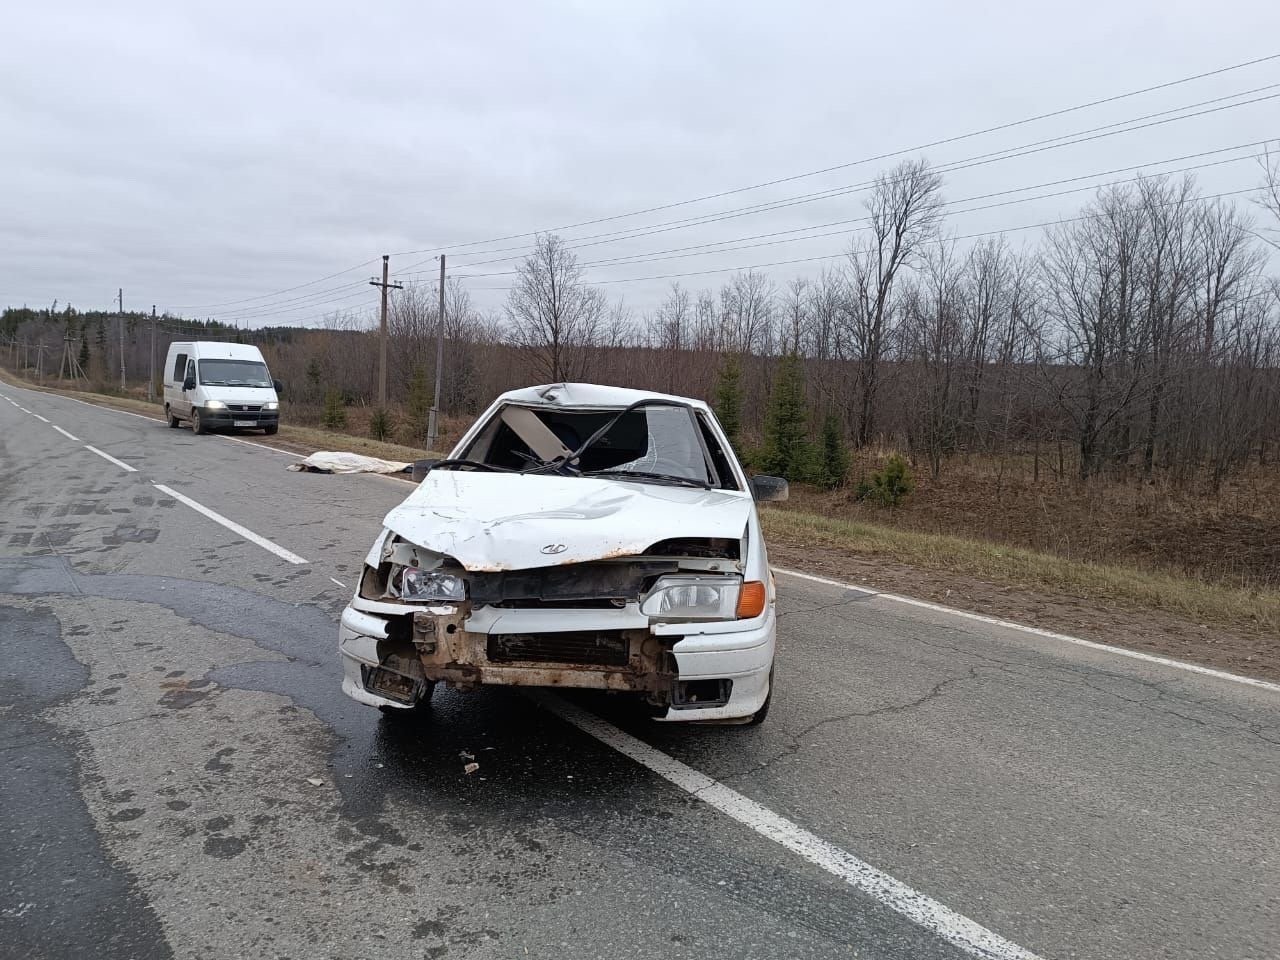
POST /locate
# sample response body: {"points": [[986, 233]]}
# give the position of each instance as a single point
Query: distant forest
{"points": [[1140, 337]]}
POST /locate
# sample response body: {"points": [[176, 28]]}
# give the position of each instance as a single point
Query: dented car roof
{"points": [[588, 395]]}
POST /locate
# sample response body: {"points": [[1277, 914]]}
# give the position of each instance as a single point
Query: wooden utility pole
{"points": [[120, 294], [151, 376], [382, 345], [433, 420]]}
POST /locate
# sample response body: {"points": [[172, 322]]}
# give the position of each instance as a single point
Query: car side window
{"points": [[179, 367]]}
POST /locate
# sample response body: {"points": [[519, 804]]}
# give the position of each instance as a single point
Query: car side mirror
{"points": [[189, 383], [769, 489], [277, 386], [420, 468]]}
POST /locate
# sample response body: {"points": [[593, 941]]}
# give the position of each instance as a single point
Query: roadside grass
{"points": [[1188, 597]]}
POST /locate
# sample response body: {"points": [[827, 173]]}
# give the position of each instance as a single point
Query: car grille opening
{"points": [[604, 648]]}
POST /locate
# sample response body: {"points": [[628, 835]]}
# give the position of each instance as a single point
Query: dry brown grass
{"points": [[1183, 596], [1231, 538]]}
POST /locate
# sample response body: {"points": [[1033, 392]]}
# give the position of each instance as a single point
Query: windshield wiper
{"points": [[654, 477], [569, 462]]}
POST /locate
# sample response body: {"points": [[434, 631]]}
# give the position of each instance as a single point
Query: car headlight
{"points": [[215, 405], [693, 598], [425, 586], [271, 405]]}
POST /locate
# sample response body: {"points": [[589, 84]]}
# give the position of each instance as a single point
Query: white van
{"points": [[220, 385]]}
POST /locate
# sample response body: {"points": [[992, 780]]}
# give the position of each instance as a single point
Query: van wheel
{"points": [[197, 424], [270, 431], [174, 422]]}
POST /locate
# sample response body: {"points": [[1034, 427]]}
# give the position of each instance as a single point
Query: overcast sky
{"points": [[197, 154]]}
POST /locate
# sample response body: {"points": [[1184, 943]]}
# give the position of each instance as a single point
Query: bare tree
{"points": [[1270, 199], [905, 208], [553, 314], [934, 346]]}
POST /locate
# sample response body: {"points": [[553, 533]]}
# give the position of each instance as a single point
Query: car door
{"points": [[188, 395]]}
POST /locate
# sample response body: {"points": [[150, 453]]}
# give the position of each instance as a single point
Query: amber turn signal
{"points": [[751, 599]]}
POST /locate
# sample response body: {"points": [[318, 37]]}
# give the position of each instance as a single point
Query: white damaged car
{"points": [[577, 536]]}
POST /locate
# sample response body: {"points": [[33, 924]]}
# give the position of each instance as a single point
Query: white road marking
{"points": [[956, 929], [260, 446], [339, 583], [69, 436], [107, 456], [38, 417], [22, 408], [1036, 631], [231, 525]]}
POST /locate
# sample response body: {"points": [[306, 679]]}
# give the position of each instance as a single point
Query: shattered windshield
{"points": [[234, 373], [658, 444]]}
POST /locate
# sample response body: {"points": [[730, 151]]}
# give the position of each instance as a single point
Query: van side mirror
{"points": [[769, 489], [420, 468], [189, 383], [277, 386]]}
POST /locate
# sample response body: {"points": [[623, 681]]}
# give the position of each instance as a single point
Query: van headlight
{"points": [[271, 405], [693, 598], [215, 405], [426, 586]]}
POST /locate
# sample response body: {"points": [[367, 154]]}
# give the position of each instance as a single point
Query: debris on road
{"points": [[471, 768], [335, 461], [315, 781]]}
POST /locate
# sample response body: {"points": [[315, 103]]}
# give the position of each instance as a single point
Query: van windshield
{"points": [[234, 373]]}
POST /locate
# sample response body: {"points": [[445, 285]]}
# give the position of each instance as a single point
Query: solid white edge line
{"points": [[956, 929], [1036, 631], [260, 446], [231, 525], [107, 456], [69, 436], [100, 406]]}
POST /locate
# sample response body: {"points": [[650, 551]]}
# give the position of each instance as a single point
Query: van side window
{"points": [[179, 367], [191, 370]]}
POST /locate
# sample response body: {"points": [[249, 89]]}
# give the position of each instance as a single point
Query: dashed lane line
{"points": [[263, 542], [106, 456], [69, 436]]}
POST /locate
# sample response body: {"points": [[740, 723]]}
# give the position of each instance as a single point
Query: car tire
{"points": [[759, 716], [174, 422], [271, 430], [197, 423]]}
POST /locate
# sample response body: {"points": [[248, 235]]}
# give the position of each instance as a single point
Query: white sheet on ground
{"points": [[335, 461]]}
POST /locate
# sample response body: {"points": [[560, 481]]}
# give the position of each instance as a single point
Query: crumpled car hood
{"points": [[502, 521]]}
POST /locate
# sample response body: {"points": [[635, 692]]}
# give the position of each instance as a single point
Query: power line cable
{"points": [[660, 254], [967, 163], [853, 163], [832, 256]]}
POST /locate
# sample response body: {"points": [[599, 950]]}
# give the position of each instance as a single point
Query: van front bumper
{"points": [[229, 418]]}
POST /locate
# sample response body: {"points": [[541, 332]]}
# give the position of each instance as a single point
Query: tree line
{"points": [[1140, 336]]}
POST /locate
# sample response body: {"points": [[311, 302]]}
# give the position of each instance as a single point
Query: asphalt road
{"points": [[169, 700]]}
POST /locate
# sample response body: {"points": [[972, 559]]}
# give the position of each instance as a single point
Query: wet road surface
{"points": [[182, 776]]}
